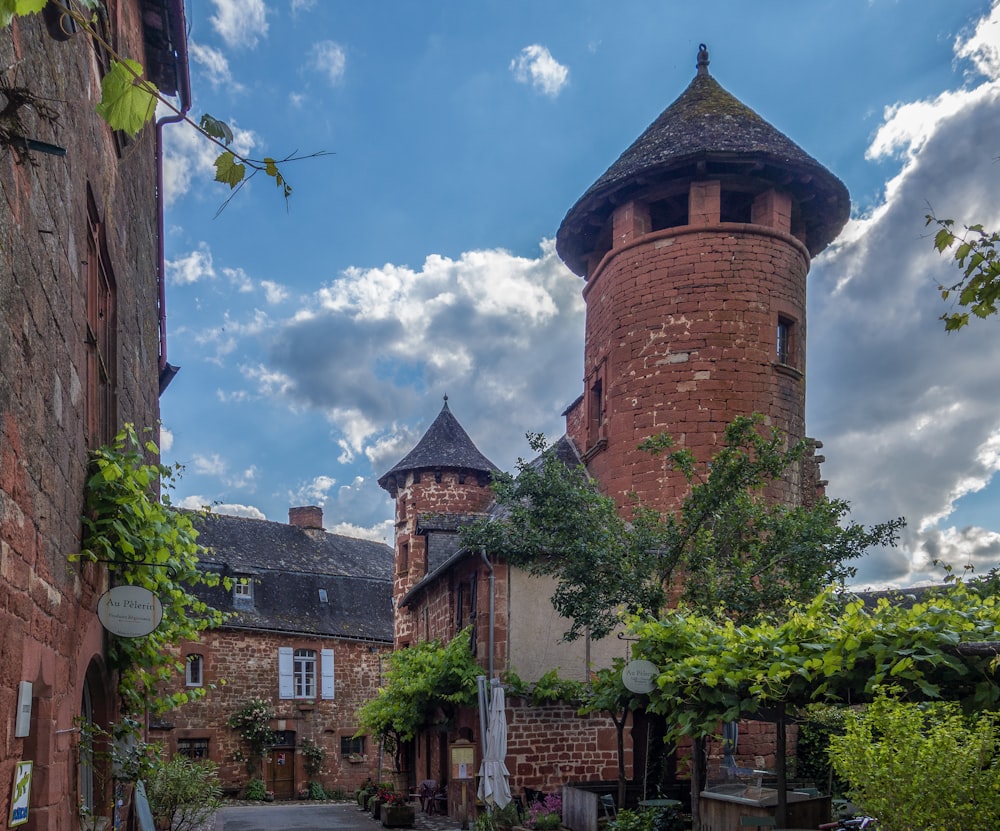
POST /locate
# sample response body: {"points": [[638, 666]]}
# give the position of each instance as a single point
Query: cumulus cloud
{"points": [[200, 503], [215, 65], [377, 342], [910, 416], [193, 267], [166, 440], [535, 66], [329, 59], [240, 23]]}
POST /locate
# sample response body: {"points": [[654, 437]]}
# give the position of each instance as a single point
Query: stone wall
{"points": [[243, 664], [49, 634]]}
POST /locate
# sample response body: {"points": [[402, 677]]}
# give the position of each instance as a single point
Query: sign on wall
{"points": [[129, 611], [20, 793], [640, 676]]}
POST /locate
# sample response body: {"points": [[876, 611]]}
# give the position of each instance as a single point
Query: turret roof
{"points": [[444, 445], [708, 130]]}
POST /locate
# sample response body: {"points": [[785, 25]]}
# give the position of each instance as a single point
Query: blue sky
{"points": [[317, 341]]}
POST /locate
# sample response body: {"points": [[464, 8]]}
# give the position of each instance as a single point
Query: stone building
{"points": [[310, 624], [82, 351], [694, 247]]}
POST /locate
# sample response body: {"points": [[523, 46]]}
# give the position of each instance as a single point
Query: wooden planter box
{"points": [[398, 816]]}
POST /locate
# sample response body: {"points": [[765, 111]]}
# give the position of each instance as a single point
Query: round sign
{"points": [[640, 676], [129, 611]]}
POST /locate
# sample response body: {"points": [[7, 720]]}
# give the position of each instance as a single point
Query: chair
{"points": [[608, 804], [531, 796], [425, 793], [757, 822], [440, 801]]}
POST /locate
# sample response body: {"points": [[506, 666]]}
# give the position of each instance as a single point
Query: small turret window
{"points": [[786, 341]]}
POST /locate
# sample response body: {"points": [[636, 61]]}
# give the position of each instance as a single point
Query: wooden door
{"points": [[281, 767]]}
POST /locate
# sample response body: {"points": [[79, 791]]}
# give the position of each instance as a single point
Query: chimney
{"points": [[308, 517]]}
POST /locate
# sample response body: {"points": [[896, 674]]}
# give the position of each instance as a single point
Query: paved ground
{"points": [[296, 816]]}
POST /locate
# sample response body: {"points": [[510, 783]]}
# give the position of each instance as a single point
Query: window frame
{"points": [[304, 671], [192, 679]]}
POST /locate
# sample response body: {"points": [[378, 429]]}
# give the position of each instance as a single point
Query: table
{"points": [[659, 803]]}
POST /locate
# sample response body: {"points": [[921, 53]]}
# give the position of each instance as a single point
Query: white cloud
{"points": [[328, 58], [274, 292], [240, 279], [908, 414], [536, 66], [166, 440], [208, 465], [382, 532], [314, 492], [197, 502], [216, 66], [240, 23], [302, 6], [192, 268]]}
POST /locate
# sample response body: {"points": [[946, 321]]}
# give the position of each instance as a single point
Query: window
{"points": [[785, 342], [243, 588], [193, 671], [352, 745], [304, 673], [298, 673], [101, 333], [196, 749]]}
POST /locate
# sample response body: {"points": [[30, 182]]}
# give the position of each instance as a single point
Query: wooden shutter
{"points": [[286, 686], [326, 667]]}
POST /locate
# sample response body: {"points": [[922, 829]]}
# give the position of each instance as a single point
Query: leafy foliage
{"points": [[423, 682], [253, 722], [184, 794], [558, 524], [128, 103], [975, 255], [825, 650], [128, 100], [550, 688], [730, 547], [255, 790], [313, 757], [817, 724], [146, 543], [925, 767]]}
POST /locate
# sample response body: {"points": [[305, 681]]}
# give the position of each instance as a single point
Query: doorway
{"points": [[281, 766]]}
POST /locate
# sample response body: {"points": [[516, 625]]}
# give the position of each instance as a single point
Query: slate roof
{"points": [[444, 445], [443, 542], [707, 130], [289, 567]]}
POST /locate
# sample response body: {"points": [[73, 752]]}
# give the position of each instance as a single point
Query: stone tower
{"points": [[443, 481], [695, 245]]}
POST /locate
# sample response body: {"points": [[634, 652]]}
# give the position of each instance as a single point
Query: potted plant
{"points": [[397, 812]]}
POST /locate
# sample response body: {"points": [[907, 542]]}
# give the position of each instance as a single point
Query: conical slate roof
{"points": [[444, 445], [708, 131]]}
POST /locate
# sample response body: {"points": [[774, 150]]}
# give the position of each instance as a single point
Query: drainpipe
{"points": [[489, 565], [178, 36]]}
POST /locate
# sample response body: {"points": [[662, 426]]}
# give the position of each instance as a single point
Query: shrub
{"points": [[183, 794], [921, 766], [627, 820], [255, 790], [316, 790], [313, 757], [545, 815]]}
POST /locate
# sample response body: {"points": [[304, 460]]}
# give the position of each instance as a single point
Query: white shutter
{"points": [[326, 667], [286, 687]]}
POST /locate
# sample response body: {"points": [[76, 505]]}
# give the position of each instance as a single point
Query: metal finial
{"points": [[702, 59], [446, 398]]}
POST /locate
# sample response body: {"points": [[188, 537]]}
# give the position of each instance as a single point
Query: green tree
{"points": [[129, 524], [921, 767], [423, 683], [729, 548], [184, 794], [974, 250]]}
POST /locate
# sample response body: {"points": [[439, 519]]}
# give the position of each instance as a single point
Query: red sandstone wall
{"points": [[244, 664], [429, 495], [49, 634], [683, 327]]}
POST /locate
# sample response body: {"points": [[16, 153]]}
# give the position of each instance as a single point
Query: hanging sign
{"points": [[640, 676], [129, 611], [19, 795]]}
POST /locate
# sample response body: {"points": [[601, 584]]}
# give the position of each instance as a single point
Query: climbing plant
{"points": [[253, 722], [146, 542], [129, 99], [423, 683]]}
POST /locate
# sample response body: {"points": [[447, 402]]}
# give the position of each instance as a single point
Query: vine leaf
{"points": [[228, 170], [217, 129], [12, 8], [127, 100]]}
